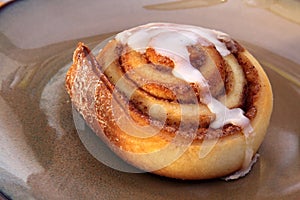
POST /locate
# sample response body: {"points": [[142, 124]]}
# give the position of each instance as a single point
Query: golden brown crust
{"points": [[98, 90]]}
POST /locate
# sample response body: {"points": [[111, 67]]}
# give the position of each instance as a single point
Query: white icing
{"points": [[139, 38], [171, 40], [225, 115], [244, 171]]}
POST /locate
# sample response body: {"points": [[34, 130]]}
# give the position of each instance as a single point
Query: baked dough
{"points": [[175, 100]]}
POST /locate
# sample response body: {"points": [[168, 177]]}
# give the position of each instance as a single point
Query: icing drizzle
{"points": [[171, 40]]}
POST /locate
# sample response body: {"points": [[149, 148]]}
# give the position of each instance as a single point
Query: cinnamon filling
{"points": [[151, 75], [156, 81]]}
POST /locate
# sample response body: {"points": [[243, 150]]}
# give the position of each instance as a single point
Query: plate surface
{"points": [[41, 153]]}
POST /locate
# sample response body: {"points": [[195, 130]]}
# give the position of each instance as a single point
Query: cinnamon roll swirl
{"points": [[176, 100]]}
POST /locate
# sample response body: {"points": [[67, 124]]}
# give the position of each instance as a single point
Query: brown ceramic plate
{"points": [[42, 155]]}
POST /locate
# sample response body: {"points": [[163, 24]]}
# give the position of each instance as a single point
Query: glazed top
{"points": [[171, 40]]}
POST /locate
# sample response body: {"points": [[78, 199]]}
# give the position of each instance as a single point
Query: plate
{"points": [[42, 155]]}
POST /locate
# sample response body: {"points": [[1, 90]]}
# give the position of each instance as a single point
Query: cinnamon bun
{"points": [[176, 100]]}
